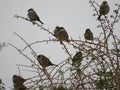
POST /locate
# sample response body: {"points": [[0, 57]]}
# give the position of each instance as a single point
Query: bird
{"points": [[61, 34], [20, 87], [77, 58], [44, 61], [104, 9], [33, 16], [18, 83], [88, 35], [18, 79]]}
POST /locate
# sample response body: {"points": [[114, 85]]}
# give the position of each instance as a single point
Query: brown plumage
{"points": [[20, 87], [18, 79], [88, 34], [18, 83], [44, 61], [61, 34], [104, 9], [33, 16], [77, 58]]}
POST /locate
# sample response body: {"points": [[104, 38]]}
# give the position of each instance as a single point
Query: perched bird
{"points": [[33, 16], [88, 34], [18, 82], [44, 61], [18, 79], [77, 58], [20, 87], [104, 9], [61, 34]]}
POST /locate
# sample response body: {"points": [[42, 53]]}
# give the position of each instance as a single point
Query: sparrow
{"points": [[104, 9], [18, 82], [33, 16], [20, 87], [44, 61], [18, 79], [77, 58], [61, 34], [88, 35]]}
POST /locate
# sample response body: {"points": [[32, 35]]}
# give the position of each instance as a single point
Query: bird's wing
{"points": [[64, 33]]}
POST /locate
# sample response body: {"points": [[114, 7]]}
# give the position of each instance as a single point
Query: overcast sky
{"points": [[74, 15]]}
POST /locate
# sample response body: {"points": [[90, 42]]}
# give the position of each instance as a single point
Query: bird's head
{"points": [[39, 56], [14, 76], [88, 30], [79, 54], [30, 10], [104, 2], [61, 29], [57, 27]]}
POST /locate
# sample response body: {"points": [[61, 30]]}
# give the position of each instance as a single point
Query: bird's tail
{"points": [[99, 17], [68, 40], [54, 64], [41, 22], [61, 42]]}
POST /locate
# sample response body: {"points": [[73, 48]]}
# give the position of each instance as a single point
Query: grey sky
{"points": [[74, 15]]}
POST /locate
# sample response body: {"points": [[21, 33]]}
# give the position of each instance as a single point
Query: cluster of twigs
{"points": [[100, 67]]}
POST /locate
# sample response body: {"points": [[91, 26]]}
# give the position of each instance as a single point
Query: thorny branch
{"points": [[98, 59]]}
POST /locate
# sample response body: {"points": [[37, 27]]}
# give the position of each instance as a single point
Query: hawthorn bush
{"points": [[98, 69]]}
